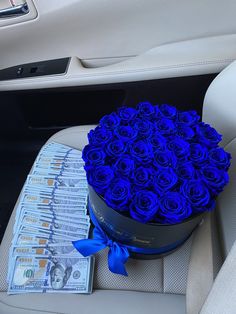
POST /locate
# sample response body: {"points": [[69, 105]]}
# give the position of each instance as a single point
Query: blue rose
{"points": [[99, 136], [110, 121], [164, 159], [143, 177], [146, 110], [198, 154], [185, 171], [166, 126], [144, 128], [115, 148], [144, 206], [158, 142], [93, 156], [185, 131], [219, 158], [168, 111], [207, 135], [173, 208], [118, 194], [124, 166], [100, 178], [126, 133], [141, 151], [179, 146], [197, 194], [188, 117], [127, 114], [214, 178], [165, 180]]}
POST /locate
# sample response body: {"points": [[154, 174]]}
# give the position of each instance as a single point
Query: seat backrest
{"points": [[219, 110], [219, 107]]}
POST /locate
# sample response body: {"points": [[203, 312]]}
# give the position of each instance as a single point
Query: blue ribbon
{"points": [[118, 253]]}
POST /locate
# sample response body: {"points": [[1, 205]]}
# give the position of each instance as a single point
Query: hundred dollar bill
{"points": [[64, 172], [24, 251], [70, 234], [52, 210], [69, 218], [60, 191], [54, 245], [48, 157], [56, 207], [64, 217], [52, 250], [53, 218], [57, 223], [60, 155], [49, 250], [48, 160], [63, 165], [59, 147], [51, 275], [33, 239], [67, 170], [15, 251], [58, 182], [53, 172], [53, 225], [41, 240], [34, 198], [56, 195], [29, 250], [70, 153]]}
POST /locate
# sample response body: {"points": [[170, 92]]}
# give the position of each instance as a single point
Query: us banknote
{"points": [[59, 182], [49, 274]]}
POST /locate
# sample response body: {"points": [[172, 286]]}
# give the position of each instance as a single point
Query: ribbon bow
{"points": [[117, 255]]}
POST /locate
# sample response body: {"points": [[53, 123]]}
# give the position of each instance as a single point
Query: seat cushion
{"points": [[159, 284], [100, 302]]}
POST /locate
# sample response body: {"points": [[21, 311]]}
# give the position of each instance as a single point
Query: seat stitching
{"points": [[35, 310]]}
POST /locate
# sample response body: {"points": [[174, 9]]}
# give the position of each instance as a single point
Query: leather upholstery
{"points": [[219, 104], [220, 111]]}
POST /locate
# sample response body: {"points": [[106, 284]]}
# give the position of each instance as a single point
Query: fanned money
{"points": [[52, 212]]}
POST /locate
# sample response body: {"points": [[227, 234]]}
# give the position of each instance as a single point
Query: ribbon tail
{"points": [[117, 257], [88, 247]]}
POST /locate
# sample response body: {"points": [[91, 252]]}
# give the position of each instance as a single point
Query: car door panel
{"points": [[119, 41]]}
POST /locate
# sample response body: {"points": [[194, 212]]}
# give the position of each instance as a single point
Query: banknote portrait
{"points": [[59, 275]]}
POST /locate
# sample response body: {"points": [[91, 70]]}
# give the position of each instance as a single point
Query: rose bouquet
{"points": [[154, 165]]}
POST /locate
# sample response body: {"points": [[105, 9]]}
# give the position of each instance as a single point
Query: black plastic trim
{"points": [[42, 68]]}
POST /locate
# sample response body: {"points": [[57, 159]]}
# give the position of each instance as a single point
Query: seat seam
{"points": [[229, 142], [162, 278], [29, 309]]}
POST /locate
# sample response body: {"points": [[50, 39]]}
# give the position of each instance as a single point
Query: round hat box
{"points": [[155, 239]]}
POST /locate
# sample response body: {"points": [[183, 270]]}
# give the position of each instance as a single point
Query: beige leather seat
{"points": [[157, 286]]}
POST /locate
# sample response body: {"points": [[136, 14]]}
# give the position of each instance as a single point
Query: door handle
{"points": [[14, 11]]}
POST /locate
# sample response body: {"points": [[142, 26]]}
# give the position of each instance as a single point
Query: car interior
{"points": [[65, 64]]}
